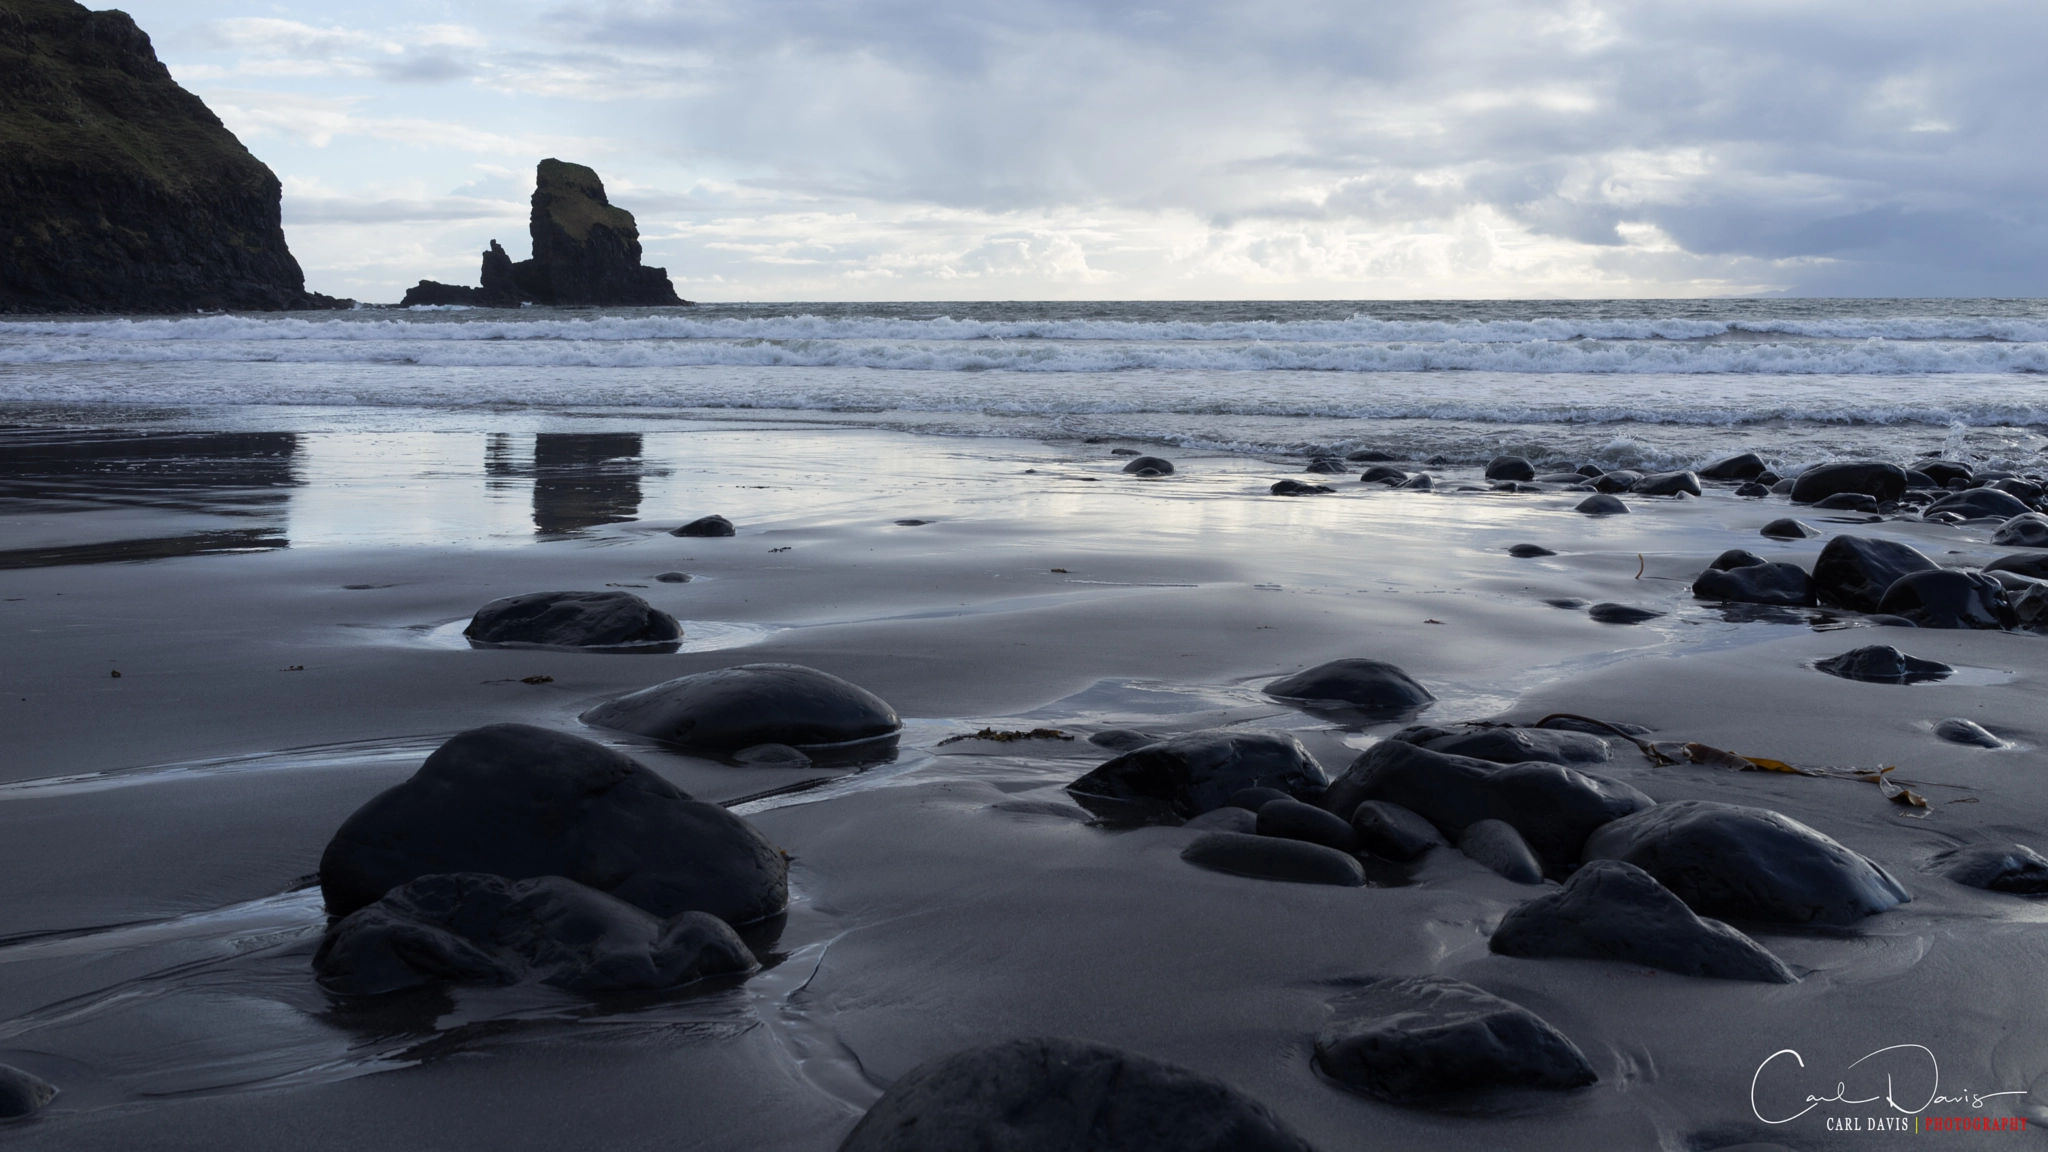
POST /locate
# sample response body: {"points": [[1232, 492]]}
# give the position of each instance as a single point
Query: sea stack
{"points": [[585, 251], [119, 190]]}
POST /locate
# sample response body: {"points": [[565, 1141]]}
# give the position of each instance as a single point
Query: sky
{"points": [[1210, 149]]}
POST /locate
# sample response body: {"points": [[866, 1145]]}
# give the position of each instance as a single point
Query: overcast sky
{"points": [[1097, 149]]}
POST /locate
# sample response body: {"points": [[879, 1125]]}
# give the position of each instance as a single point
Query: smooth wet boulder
{"points": [[474, 928], [1560, 478], [1228, 819], [1957, 730], [1601, 504], [1611, 910], [1854, 571], [1290, 819], [1786, 585], [1420, 482], [726, 709], [1736, 558], [1738, 863], [1610, 613], [2034, 564], [1786, 528], [1870, 478], [1981, 504], [1253, 799], [1496, 846], [1417, 1039], [1259, 857], [1753, 491], [1529, 551], [1521, 746], [2030, 609], [1947, 598], [1944, 472], [1048, 1095], [1297, 488], [2008, 867], [1510, 468], [618, 620], [1554, 807], [1667, 484], [1617, 481], [1883, 664], [1372, 686], [518, 801], [706, 526], [1381, 474], [1197, 772], [1746, 466], [2028, 531], [23, 1093], [1326, 466], [1847, 502], [1373, 455], [1155, 465], [1392, 832], [673, 577], [1123, 739]]}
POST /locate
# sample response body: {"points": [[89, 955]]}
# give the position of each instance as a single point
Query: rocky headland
{"points": [[585, 251], [119, 190]]}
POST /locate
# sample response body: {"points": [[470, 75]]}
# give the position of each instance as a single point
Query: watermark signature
{"points": [[1911, 1085]]}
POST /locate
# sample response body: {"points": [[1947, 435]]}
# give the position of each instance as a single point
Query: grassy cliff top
{"points": [[83, 91], [573, 197]]}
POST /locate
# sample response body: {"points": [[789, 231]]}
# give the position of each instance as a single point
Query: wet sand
{"points": [[160, 828]]}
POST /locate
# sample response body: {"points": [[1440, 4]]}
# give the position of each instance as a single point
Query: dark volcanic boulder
{"points": [[618, 620], [1495, 845], [1297, 488], [1747, 466], [727, 709], [518, 801], [1742, 863], [1854, 571], [1944, 472], [1372, 455], [1529, 551], [1783, 584], [1393, 832], [1736, 558], [1554, 808], [1786, 528], [1290, 819], [1042, 1095], [1601, 504], [1667, 484], [1255, 798], [23, 1093], [1326, 466], [1381, 474], [1847, 502], [1610, 910], [1414, 1039], [1878, 481], [1197, 772], [705, 526], [1882, 664], [1619, 480], [1231, 819], [1373, 686], [1753, 491], [2028, 531], [1157, 465], [433, 293], [473, 928], [1274, 858], [2013, 868], [585, 249], [1420, 482], [2034, 564], [1947, 598], [1521, 746], [1957, 730], [1981, 504], [1510, 468], [1621, 614]]}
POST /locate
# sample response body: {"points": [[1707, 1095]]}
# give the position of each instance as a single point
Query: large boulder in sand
{"points": [[2028, 531], [1261, 857], [1510, 468], [1150, 466], [1392, 832], [1553, 807], [23, 1093], [1047, 1095], [1495, 845], [706, 526], [1610, 910], [1601, 504], [728, 710], [473, 928], [1747, 466], [1359, 685], [1786, 528], [619, 621], [1947, 598], [1869, 478], [2034, 564], [1785, 585], [1740, 863], [1520, 746], [2013, 868], [1420, 1039], [1883, 664], [1854, 571], [1198, 772], [518, 801], [1981, 504], [1667, 484]]}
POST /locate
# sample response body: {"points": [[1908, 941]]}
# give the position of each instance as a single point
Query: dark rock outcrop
{"points": [[1740, 863], [728, 710], [1361, 685], [1610, 910], [517, 801], [1274, 858], [1854, 571], [1044, 1095], [1883, 664], [1878, 481], [473, 928], [119, 190], [1194, 773], [1414, 1039], [2013, 868], [1947, 598], [619, 621], [1786, 585]]}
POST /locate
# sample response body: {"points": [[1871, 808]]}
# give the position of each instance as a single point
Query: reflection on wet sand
{"points": [[580, 480]]}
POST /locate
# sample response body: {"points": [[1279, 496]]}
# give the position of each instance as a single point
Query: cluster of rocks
{"points": [[1894, 582]]}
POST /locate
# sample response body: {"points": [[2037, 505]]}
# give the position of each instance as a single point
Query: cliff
{"points": [[119, 190], [585, 251]]}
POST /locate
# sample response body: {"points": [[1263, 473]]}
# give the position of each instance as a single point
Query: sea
{"points": [[1648, 383]]}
